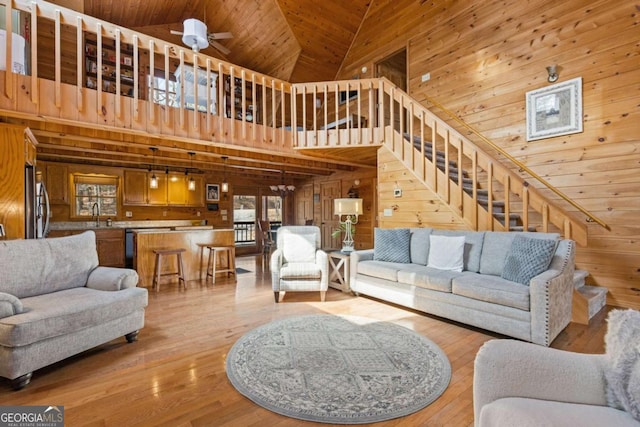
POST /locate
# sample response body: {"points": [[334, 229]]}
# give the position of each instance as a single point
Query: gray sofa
{"points": [[534, 309], [55, 302]]}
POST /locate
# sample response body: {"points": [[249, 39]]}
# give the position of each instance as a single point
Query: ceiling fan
{"points": [[196, 37]]}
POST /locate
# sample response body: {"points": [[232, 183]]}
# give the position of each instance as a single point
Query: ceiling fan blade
{"points": [[219, 47], [220, 36], [177, 33]]}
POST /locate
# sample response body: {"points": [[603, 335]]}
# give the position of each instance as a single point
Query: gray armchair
{"points": [[527, 385], [298, 264]]}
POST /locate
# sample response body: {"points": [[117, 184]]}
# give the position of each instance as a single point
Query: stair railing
{"points": [[372, 112]]}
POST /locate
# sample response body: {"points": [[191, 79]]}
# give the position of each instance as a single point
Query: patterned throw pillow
{"points": [[527, 258], [392, 245], [622, 373]]}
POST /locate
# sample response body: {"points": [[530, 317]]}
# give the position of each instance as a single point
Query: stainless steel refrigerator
{"points": [[36, 202]]}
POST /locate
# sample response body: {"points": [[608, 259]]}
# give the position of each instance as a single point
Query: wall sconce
{"points": [[225, 185], [153, 182], [553, 73]]}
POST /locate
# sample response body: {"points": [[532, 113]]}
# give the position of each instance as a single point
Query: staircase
{"points": [[498, 210], [587, 300]]}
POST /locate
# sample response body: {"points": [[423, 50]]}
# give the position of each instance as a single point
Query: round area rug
{"points": [[338, 369]]}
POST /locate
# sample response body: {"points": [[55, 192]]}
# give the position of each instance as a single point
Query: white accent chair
{"points": [[298, 264]]}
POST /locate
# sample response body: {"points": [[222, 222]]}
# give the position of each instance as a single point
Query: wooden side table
{"points": [[339, 263]]}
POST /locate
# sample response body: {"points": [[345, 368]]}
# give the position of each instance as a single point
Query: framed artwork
{"points": [[555, 110], [213, 192]]}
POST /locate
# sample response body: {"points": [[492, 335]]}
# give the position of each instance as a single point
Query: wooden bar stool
{"points": [[180, 273], [212, 262]]}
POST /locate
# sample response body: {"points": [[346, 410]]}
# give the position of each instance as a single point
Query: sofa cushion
{"points": [[426, 277], [523, 412], [392, 245], [446, 252], [300, 270], [41, 266], [299, 247], [527, 258], [622, 373], [380, 269], [419, 247], [60, 313], [496, 246], [491, 289], [472, 246]]}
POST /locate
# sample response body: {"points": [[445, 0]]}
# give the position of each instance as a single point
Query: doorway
{"points": [[394, 68]]}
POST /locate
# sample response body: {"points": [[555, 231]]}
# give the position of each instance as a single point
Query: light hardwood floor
{"points": [[175, 376]]}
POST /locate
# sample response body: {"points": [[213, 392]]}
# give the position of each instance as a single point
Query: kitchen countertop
{"points": [[88, 225]]}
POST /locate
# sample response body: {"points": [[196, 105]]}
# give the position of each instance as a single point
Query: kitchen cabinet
{"points": [[57, 182], [135, 187], [109, 244], [17, 151], [157, 196], [172, 189], [196, 198]]}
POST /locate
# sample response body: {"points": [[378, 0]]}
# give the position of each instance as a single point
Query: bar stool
{"points": [[212, 262], [180, 273]]}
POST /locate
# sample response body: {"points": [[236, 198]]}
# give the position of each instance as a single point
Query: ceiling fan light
{"points": [[195, 34]]}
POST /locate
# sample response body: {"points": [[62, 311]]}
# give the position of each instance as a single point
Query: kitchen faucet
{"points": [[95, 212]]}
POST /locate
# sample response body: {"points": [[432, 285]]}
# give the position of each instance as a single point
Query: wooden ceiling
{"points": [[294, 40]]}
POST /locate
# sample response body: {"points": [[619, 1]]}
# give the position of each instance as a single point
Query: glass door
{"points": [[245, 213]]}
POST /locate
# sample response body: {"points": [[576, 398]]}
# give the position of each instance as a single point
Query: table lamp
{"points": [[350, 209]]}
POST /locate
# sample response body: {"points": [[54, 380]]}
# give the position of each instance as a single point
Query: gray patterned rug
{"points": [[338, 369]]}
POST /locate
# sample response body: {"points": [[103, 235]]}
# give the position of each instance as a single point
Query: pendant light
{"points": [[225, 185], [153, 182], [192, 182]]}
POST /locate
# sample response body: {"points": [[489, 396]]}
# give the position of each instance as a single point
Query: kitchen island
{"points": [[146, 241]]}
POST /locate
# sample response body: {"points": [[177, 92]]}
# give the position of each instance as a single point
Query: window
{"points": [[94, 194], [160, 94]]}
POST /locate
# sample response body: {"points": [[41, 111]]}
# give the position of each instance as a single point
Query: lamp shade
{"points": [[347, 206], [194, 34]]}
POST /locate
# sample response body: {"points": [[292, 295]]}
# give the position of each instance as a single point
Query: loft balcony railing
{"points": [[64, 79], [259, 112]]}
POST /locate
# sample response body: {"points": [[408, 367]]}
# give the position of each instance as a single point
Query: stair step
{"points": [[479, 192], [596, 297], [531, 228], [578, 278], [495, 203]]}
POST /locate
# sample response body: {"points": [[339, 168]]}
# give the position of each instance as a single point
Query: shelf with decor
{"points": [[251, 102], [108, 71]]}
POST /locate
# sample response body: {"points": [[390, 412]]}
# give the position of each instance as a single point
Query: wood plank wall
{"points": [[483, 56]]}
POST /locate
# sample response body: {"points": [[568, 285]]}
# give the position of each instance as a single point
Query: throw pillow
{"points": [[446, 252], [299, 247], [527, 258], [622, 373], [392, 245]]}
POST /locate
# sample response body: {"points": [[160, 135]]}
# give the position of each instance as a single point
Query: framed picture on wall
{"points": [[213, 192], [555, 110]]}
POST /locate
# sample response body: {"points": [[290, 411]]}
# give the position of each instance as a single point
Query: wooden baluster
{"points": [[166, 86], [294, 115], [152, 70], [80, 54], [326, 116], [118, 98], [58, 55], [35, 86], [209, 112], [136, 79], [490, 223], [474, 174], [264, 110], [254, 110], [282, 112], [507, 200], [99, 69], [545, 217], [222, 102], [232, 89], [525, 207], [182, 91]]}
